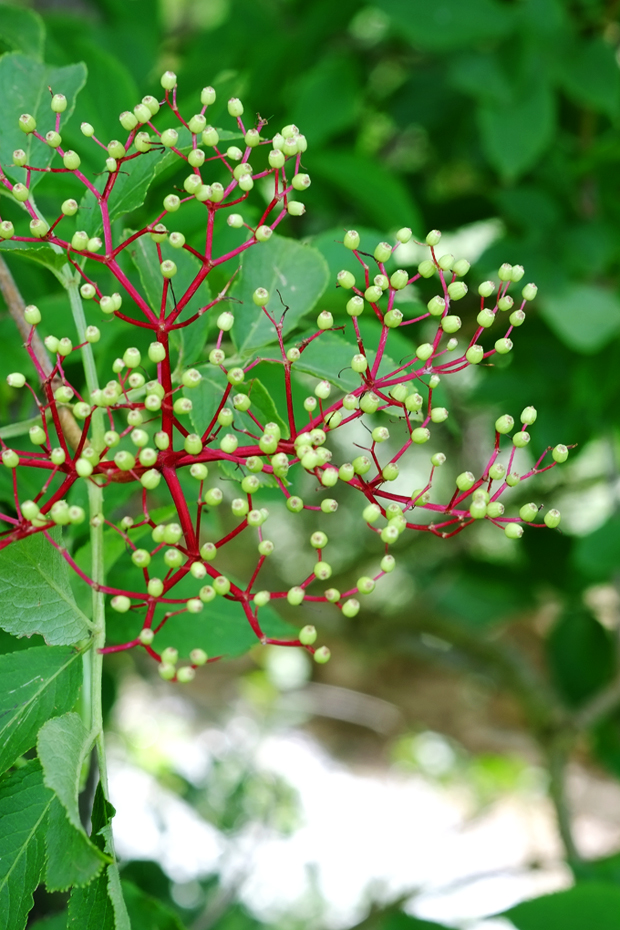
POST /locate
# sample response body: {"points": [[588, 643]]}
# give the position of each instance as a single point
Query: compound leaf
{"points": [[35, 592], [24, 804], [37, 684]]}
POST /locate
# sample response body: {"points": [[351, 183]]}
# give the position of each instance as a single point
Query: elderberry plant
{"points": [[172, 425]]}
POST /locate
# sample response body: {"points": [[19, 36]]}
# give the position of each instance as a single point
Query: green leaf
{"points": [[62, 746], [298, 272], [72, 859], [448, 24], [584, 316], [327, 356], [100, 904], [482, 76], [263, 404], [146, 912], [37, 684], [190, 340], [35, 592], [590, 75], [319, 111], [57, 922], [514, 135], [580, 655], [132, 184], [371, 186], [583, 907], [40, 254], [206, 397], [24, 803], [24, 86], [598, 554], [22, 30]]}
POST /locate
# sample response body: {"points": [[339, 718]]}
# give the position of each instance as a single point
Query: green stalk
{"points": [[93, 659]]}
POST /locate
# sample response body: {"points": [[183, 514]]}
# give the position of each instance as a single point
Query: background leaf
{"points": [[22, 30], [24, 803], [298, 272], [580, 908], [584, 316], [37, 684], [35, 593]]}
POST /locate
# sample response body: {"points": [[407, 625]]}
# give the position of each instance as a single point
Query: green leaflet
{"points": [[295, 276], [24, 86], [63, 744], [147, 912], [37, 684], [40, 254], [328, 356], [100, 904], [35, 592], [584, 316], [584, 907], [24, 803]]}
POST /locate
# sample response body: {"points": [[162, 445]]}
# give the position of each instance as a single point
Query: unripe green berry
{"points": [[451, 324], [457, 290], [322, 655], [124, 460], [521, 439], [120, 603], [560, 453], [383, 252], [528, 512], [53, 139], [439, 414], [20, 192], [27, 123], [352, 239], [497, 471], [390, 472], [351, 402], [393, 318], [399, 279], [413, 402], [552, 518], [486, 288], [474, 354], [517, 318], [351, 607], [513, 531], [465, 481], [513, 479], [7, 230], [529, 415], [369, 402], [485, 318], [529, 292], [504, 424], [503, 346], [355, 306], [424, 351]]}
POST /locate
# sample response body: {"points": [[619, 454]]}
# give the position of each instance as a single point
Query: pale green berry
{"points": [[404, 235], [295, 595], [235, 107], [20, 192], [505, 303], [521, 439], [461, 267], [438, 459], [325, 320], [399, 279], [393, 318], [517, 318], [426, 268], [503, 346], [142, 142], [497, 471], [10, 458], [486, 288], [513, 479], [351, 607], [436, 305], [474, 355], [424, 351], [390, 472], [295, 208], [560, 453], [58, 456], [370, 402], [413, 402], [513, 531], [465, 481], [124, 460], [132, 357], [433, 237], [495, 509], [504, 424], [361, 465], [350, 402], [420, 435], [528, 512], [528, 415], [27, 123], [120, 603], [380, 434], [365, 585], [7, 230], [529, 292], [383, 252], [373, 293], [552, 518], [307, 635], [17, 380], [322, 655], [39, 228], [485, 318], [352, 239], [457, 289]]}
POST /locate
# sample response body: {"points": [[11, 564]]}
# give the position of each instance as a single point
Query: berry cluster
{"points": [[138, 426]]}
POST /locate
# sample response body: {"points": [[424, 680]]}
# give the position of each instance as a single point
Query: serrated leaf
{"points": [[37, 684], [24, 86], [22, 30], [71, 858], [35, 592], [24, 804], [100, 904], [584, 316], [298, 272], [62, 745]]}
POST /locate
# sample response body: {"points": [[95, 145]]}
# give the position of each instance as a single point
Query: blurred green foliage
{"points": [[442, 114]]}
